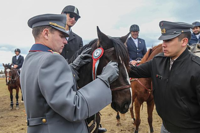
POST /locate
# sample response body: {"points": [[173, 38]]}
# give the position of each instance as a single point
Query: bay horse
{"points": [[114, 50], [142, 92], [13, 82]]}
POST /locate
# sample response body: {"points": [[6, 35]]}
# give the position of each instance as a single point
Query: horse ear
{"points": [[124, 38], [103, 39], [3, 64]]}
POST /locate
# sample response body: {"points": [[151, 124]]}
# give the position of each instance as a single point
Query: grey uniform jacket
{"points": [[52, 102]]}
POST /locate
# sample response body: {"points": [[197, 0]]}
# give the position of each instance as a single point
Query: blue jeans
{"points": [[163, 129]]}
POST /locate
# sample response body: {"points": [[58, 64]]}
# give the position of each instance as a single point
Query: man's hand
{"points": [[15, 66], [82, 59]]}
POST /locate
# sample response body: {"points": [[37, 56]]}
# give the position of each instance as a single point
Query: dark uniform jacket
{"points": [[194, 39], [18, 61], [74, 43], [52, 102], [136, 52], [176, 92]]}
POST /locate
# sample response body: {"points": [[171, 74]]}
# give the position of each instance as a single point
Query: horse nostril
{"points": [[126, 106]]}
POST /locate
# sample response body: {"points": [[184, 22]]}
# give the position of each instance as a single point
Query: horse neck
{"points": [[151, 53]]}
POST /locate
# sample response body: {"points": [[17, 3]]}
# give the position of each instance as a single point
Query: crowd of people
{"points": [[53, 103]]}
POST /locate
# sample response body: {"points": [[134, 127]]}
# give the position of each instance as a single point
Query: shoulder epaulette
{"points": [[196, 59]]}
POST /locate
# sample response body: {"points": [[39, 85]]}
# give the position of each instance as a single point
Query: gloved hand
{"points": [[82, 59], [110, 73]]}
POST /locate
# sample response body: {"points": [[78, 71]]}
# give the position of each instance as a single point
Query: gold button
{"points": [[44, 120], [26, 121], [74, 75]]}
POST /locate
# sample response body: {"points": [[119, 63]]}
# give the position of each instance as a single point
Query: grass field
{"points": [[11, 121], [14, 121]]}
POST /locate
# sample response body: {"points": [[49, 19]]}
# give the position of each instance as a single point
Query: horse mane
{"points": [[150, 52]]}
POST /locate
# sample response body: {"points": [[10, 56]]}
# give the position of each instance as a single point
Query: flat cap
{"points": [[57, 21], [170, 30], [196, 24], [71, 9]]}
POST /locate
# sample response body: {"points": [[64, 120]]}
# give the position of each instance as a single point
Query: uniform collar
{"points": [[40, 48]]}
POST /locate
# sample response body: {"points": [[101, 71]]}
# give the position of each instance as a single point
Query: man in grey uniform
{"points": [[53, 103]]}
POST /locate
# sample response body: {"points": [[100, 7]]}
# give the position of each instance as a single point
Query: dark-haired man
{"points": [[175, 76], [74, 42]]}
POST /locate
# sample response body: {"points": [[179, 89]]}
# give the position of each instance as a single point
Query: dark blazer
{"points": [[18, 61], [74, 43], [194, 39], [135, 52]]}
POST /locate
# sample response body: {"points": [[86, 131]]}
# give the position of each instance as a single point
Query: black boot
{"points": [[101, 130]]}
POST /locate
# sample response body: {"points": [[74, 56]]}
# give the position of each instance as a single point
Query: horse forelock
{"points": [[121, 51]]}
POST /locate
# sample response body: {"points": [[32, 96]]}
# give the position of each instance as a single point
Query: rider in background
{"points": [[74, 42], [195, 38], [17, 60], [136, 46]]}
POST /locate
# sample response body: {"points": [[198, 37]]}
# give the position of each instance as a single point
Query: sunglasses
{"points": [[71, 15]]}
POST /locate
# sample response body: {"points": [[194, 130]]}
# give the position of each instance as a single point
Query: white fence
{"points": [[2, 75]]}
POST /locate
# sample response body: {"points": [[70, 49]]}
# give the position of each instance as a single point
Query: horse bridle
{"points": [[10, 77], [96, 65]]}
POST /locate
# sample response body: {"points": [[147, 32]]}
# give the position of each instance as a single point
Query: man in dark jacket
{"points": [[74, 42], [195, 38], [136, 46], [17, 60], [175, 76]]}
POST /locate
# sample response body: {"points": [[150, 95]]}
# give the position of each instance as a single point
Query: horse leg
{"points": [[17, 97], [137, 114], [131, 111], [150, 107], [11, 98], [118, 119]]}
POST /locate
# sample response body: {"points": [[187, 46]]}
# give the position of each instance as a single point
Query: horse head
{"points": [[10, 73], [114, 50]]}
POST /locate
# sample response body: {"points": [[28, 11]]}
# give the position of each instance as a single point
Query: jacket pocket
{"points": [[185, 106]]}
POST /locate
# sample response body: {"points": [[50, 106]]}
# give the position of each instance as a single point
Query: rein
{"points": [[149, 90]]}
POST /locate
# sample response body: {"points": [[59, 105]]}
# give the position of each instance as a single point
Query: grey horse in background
{"points": [[195, 49]]}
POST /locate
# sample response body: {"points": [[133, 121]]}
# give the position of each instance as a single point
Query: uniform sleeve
{"points": [[141, 71], [81, 43], [57, 86]]}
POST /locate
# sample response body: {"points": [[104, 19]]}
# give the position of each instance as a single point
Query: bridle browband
{"points": [[96, 55]]}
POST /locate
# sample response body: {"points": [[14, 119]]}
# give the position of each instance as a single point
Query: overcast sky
{"points": [[114, 17]]}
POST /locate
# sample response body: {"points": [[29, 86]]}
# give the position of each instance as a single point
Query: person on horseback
{"points": [[74, 42], [52, 102], [17, 60], [175, 79], [136, 46], [195, 38]]}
